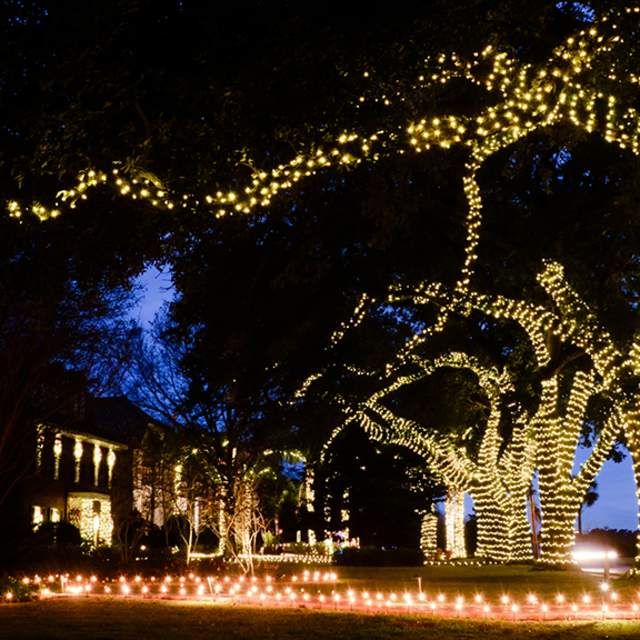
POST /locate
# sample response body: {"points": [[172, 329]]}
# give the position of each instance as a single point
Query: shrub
{"points": [[375, 557], [59, 534], [14, 590]]}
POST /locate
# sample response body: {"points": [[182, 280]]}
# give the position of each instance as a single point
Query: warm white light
{"points": [[586, 555]]}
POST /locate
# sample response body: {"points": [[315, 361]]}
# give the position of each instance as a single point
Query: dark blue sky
{"points": [[156, 288], [616, 507]]}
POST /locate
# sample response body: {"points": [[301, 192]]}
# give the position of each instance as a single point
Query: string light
{"points": [[497, 479], [557, 427], [531, 98], [544, 441], [569, 87], [234, 590]]}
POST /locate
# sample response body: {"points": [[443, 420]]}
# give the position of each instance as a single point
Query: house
{"points": [[104, 463], [89, 468]]}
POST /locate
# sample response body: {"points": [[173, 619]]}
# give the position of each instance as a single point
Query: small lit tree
{"points": [[247, 527]]}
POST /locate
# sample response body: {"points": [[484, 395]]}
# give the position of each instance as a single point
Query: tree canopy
{"points": [[197, 109]]}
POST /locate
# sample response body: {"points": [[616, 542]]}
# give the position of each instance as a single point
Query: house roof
{"points": [[115, 418]]}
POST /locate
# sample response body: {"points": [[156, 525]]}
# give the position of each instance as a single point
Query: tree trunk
{"points": [[558, 518], [580, 519], [632, 431], [429, 535], [535, 542], [633, 443], [454, 524], [559, 506], [222, 523], [519, 532], [493, 532]]}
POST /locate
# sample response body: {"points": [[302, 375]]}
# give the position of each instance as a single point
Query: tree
{"points": [[590, 498], [134, 81], [138, 67], [561, 415], [497, 476], [63, 326], [221, 452]]}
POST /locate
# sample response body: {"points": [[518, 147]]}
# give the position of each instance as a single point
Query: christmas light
{"points": [[582, 83], [530, 98], [476, 605], [557, 426], [498, 479]]}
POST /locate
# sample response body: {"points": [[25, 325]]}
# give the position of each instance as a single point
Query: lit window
{"points": [[37, 517], [92, 515], [57, 452]]}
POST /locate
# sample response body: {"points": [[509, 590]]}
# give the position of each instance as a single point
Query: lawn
{"points": [[120, 620], [493, 580], [116, 618]]}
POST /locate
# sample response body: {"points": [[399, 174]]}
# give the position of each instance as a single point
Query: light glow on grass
{"points": [[285, 592]]}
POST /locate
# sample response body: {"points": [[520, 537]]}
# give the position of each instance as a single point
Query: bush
{"points": [[52, 547], [298, 548], [19, 592], [210, 566], [59, 534], [375, 557]]}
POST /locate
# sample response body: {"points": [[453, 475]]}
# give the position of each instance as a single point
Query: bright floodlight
{"points": [[585, 555]]}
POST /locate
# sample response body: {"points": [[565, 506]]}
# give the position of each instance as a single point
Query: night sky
{"points": [[156, 288], [616, 507]]}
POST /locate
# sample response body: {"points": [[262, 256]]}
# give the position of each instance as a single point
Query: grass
{"points": [[117, 619], [492, 581]]}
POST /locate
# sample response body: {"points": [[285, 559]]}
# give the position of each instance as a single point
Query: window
{"points": [[37, 517]]}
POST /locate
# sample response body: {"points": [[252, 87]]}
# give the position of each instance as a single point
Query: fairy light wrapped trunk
{"points": [[454, 524], [498, 480], [429, 535], [243, 523], [632, 428], [613, 364], [556, 425]]}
